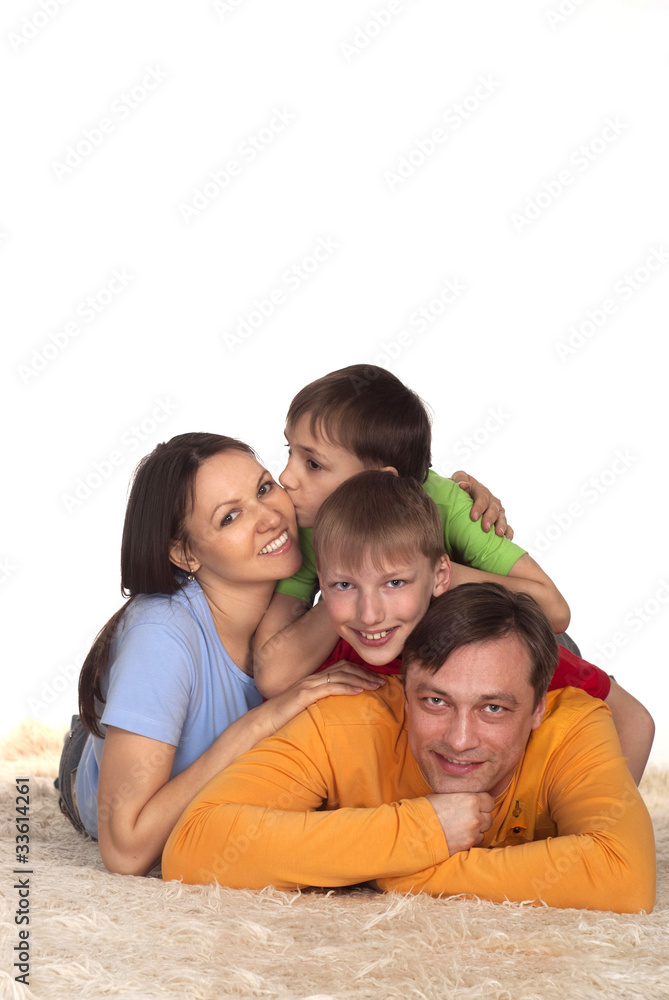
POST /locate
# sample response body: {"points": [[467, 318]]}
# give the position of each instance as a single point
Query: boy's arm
{"points": [[291, 641], [635, 727], [527, 576]]}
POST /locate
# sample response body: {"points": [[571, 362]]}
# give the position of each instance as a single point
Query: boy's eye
{"points": [[395, 584], [312, 465], [342, 585]]}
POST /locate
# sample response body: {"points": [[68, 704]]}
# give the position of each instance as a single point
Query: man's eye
{"points": [[434, 701], [495, 709]]}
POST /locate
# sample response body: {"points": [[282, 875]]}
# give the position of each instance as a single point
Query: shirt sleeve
{"points": [[465, 540], [572, 671], [149, 683], [267, 820], [304, 583], [603, 856]]}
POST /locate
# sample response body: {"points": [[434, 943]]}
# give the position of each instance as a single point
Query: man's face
{"points": [[316, 467], [376, 608], [469, 723]]}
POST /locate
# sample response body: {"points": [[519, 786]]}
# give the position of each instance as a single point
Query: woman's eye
{"points": [[265, 488], [229, 518], [342, 585]]}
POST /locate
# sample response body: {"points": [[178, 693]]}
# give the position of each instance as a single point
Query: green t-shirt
{"points": [[465, 540]]}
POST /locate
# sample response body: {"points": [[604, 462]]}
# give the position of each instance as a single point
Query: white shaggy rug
{"points": [[98, 935]]}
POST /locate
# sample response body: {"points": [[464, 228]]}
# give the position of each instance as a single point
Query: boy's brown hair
{"points": [[368, 411], [377, 515]]}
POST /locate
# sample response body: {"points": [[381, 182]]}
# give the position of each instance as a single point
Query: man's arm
{"points": [[603, 856], [271, 819]]}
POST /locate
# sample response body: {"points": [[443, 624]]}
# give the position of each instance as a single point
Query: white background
{"points": [[545, 190]]}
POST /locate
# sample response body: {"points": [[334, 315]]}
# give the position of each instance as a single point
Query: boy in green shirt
{"points": [[363, 417]]}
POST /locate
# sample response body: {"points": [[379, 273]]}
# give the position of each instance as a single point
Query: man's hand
{"points": [[484, 504], [464, 817]]}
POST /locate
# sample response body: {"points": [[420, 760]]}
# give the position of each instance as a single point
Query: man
{"points": [[469, 779]]}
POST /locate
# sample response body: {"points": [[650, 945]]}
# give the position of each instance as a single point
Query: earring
{"points": [[190, 577]]}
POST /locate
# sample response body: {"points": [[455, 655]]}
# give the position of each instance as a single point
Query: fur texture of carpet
{"points": [[97, 935]]}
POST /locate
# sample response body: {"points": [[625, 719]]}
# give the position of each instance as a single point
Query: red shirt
{"points": [[571, 670]]}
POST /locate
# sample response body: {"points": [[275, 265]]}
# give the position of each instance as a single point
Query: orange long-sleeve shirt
{"points": [[336, 798]]}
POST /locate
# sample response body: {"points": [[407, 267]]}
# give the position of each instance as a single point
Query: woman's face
{"points": [[242, 526]]}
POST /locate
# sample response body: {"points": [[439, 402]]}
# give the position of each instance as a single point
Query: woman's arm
{"points": [[138, 802], [527, 576]]}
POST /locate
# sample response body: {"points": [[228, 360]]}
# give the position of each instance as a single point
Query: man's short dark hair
{"points": [[483, 612], [372, 414]]}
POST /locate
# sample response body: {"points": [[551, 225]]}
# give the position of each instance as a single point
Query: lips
{"points": [[379, 638], [278, 544], [457, 765]]}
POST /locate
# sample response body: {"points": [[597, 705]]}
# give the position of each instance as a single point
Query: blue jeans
{"points": [[73, 747]]}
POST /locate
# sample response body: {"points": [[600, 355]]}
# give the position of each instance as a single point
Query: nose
{"points": [[370, 608], [460, 732], [269, 518], [287, 479]]}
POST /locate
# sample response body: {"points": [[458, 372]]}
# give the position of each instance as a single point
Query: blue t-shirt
{"points": [[169, 678]]}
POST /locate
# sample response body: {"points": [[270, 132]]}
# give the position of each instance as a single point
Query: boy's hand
{"points": [[464, 817], [484, 504]]}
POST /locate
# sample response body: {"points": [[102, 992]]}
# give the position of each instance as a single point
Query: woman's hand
{"points": [[484, 504], [342, 677]]}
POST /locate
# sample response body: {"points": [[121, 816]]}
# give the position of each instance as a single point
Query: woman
{"points": [[166, 696]]}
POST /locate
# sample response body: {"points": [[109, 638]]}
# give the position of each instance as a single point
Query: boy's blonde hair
{"points": [[377, 515], [368, 411]]}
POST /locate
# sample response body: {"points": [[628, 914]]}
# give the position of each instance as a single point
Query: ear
{"points": [[538, 714], [442, 576], [183, 558], [389, 468]]}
